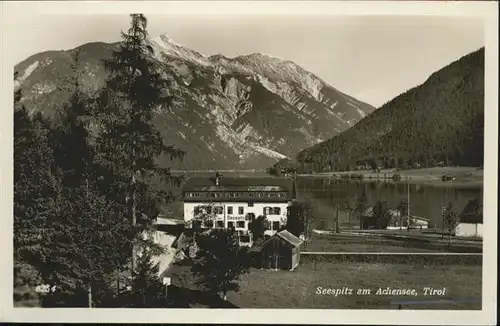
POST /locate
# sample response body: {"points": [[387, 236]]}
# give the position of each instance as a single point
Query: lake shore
{"points": [[464, 176]]}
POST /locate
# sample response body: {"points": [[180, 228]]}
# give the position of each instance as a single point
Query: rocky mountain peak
{"points": [[242, 112], [164, 45]]}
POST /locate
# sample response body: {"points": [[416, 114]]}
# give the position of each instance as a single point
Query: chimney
{"points": [[217, 178]]}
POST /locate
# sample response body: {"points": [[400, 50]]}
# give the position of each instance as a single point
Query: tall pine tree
{"points": [[93, 244], [36, 197], [129, 143]]}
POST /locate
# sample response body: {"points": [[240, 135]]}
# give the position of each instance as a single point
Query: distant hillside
{"points": [[440, 122], [246, 112]]}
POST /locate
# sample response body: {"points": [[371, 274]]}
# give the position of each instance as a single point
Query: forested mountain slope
{"points": [[440, 122]]}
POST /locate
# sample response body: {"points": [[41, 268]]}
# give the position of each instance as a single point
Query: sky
{"points": [[372, 58]]}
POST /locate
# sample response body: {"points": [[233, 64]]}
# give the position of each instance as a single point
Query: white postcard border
{"points": [[487, 10]]}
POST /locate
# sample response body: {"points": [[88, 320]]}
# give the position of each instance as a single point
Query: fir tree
{"points": [[89, 233], [258, 227], [26, 275], [128, 142], [36, 195], [148, 291], [220, 261]]}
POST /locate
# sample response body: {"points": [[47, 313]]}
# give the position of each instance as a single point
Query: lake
{"points": [[426, 200]]}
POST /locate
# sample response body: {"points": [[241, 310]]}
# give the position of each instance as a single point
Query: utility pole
{"points": [[89, 290], [408, 223], [443, 211], [337, 220]]}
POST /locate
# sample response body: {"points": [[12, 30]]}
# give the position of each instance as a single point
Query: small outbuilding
{"points": [[396, 222], [280, 251]]}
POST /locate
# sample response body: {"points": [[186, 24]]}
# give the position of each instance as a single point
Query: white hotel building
{"points": [[230, 202]]}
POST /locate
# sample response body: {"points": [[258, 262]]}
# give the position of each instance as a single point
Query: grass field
{"points": [[298, 289]]}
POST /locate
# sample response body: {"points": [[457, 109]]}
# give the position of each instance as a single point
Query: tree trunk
{"points": [[349, 218], [134, 222], [337, 229], [224, 296], [89, 291], [89, 295], [117, 281]]}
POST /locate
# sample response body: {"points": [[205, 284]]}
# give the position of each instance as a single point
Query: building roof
{"points": [[289, 237], [283, 235], [369, 212], [241, 184]]}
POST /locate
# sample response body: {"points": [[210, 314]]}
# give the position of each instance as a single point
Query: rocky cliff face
{"points": [[244, 112]]}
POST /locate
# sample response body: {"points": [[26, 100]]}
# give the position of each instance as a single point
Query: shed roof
{"points": [[284, 236], [290, 238]]}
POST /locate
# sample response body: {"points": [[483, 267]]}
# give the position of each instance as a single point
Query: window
{"points": [[213, 195], [272, 210], [250, 216], [220, 224], [219, 210], [240, 224], [209, 224], [230, 210], [230, 225], [208, 209], [197, 210], [276, 226], [250, 204], [241, 211], [261, 194], [251, 194]]}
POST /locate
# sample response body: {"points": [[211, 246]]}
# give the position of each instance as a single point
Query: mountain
{"points": [[243, 112], [440, 122]]}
